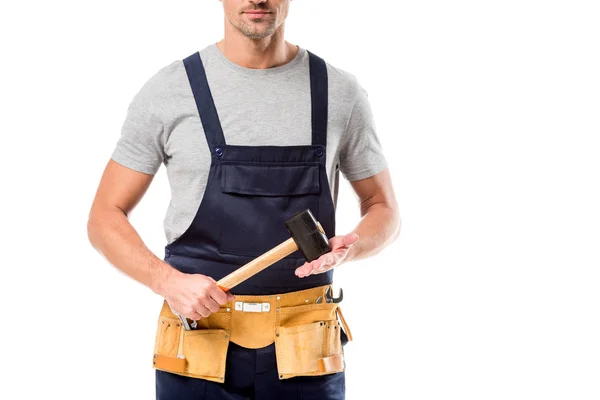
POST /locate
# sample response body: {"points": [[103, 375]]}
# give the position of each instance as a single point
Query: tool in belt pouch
{"points": [[305, 330]]}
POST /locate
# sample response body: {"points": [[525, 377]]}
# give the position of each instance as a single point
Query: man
{"points": [[252, 130]]}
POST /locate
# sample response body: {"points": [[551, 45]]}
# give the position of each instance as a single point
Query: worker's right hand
{"points": [[192, 296]]}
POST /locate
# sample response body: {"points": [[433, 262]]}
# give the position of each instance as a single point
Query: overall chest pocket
{"points": [[257, 199]]}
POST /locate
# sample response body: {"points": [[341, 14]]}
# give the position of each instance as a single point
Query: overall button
{"points": [[167, 253], [319, 152], [219, 151]]}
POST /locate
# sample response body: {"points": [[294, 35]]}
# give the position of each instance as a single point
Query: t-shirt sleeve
{"points": [[141, 145], [361, 154]]}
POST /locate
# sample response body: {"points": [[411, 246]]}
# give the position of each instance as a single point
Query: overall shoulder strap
{"points": [[319, 97], [204, 101]]}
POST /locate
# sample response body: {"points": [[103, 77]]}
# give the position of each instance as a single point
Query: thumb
{"points": [[350, 238]]}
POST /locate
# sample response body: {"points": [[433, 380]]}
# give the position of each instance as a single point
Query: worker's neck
{"points": [[268, 52]]}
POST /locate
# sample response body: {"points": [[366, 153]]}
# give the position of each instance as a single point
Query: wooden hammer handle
{"points": [[258, 264]]}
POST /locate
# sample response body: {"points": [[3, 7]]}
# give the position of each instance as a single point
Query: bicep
{"points": [[120, 188], [361, 153], [375, 191]]}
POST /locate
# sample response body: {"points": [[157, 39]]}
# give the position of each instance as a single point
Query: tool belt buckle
{"points": [[252, 307]]}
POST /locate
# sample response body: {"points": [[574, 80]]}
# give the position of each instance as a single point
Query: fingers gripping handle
{"points": [[258, 264], [246, 271]]}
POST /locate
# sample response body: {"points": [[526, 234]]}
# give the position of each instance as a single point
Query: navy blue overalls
{"points": [[250, 193]]}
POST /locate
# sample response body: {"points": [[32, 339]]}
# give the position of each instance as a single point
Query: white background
{"points": [[489, 116]]}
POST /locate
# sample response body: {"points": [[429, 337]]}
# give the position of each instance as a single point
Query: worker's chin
{"points": [[257, 32]]}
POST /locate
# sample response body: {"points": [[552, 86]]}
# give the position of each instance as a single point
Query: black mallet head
{"points": [[308, 235]]}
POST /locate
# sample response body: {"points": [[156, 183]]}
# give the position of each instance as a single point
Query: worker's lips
{"points": [[257, 14]]}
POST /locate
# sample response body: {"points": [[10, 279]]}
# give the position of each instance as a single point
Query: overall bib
{"points": [[250, 193]]}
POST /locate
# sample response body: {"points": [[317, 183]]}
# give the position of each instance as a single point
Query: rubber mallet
{"points": [[307, 236]]}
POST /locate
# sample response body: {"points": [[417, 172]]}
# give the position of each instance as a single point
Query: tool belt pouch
{"points": [[198, 353], [308, 340], [307, 335]]}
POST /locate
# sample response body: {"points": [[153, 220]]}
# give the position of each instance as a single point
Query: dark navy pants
{"points": [[250, 374]]}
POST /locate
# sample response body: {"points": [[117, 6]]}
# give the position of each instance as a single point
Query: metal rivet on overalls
{"points": [[277, 334], [306, 301], [278, 298], [226, 336], [229, 309], [281, 376], [221, 378], [319, 151], [219, 151]]}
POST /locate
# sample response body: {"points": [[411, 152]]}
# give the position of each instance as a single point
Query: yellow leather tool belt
{"points": [[306, 335]]}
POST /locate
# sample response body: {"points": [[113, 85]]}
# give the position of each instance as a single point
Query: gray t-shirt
{"points": [[256, 107]]}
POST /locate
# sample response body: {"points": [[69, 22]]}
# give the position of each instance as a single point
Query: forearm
{"points": [[113, 236], [379, 226]]}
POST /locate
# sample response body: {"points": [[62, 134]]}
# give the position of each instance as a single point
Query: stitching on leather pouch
{"points": [[301, 328], [325, 340], [308, 307], [222, 343], [292, 332], [159, 346]]}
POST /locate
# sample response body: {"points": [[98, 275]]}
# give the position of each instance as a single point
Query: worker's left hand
{"points": [[339, 249]]}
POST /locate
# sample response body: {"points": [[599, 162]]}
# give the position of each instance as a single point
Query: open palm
{"points": [[339, 249]]}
